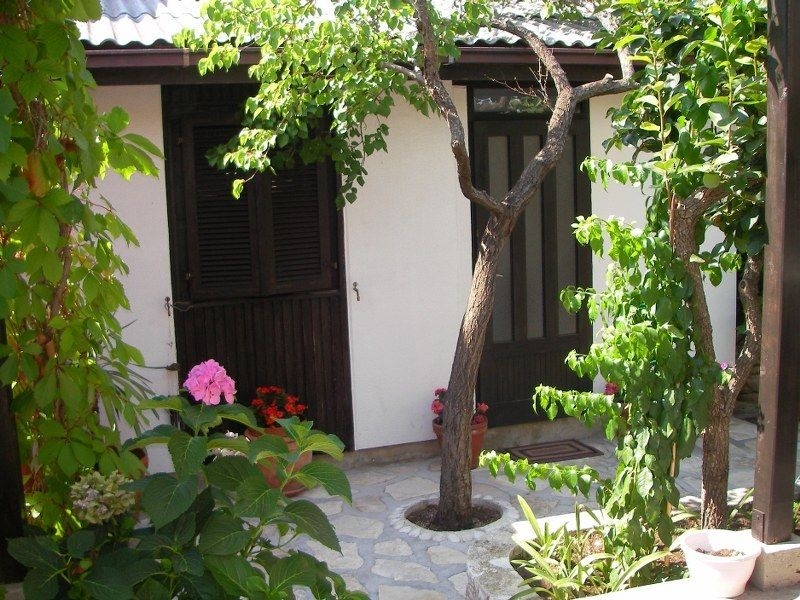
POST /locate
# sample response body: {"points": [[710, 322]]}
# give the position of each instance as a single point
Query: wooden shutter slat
{"points": [[299, 218], [226, 254]]}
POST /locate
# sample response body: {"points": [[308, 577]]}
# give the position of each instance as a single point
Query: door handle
{"points": [[179, 305]]}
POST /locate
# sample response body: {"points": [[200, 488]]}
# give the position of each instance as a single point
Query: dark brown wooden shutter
{"points": [[300, 249], [223, 251], [277, 238]]}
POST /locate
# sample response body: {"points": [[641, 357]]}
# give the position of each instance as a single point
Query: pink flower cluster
{"points": [[611, 388], [208, 381]]}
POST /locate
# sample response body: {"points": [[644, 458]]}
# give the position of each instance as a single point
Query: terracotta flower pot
{"points": [[476, 439], [267, 465]]}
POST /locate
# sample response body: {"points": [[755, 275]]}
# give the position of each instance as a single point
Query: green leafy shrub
{"points": [[212, 529], [657, 403]]}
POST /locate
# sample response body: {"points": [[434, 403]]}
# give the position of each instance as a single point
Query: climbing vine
{"points": [[59, 273]]}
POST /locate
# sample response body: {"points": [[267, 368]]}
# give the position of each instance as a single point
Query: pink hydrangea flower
{"points": [[481, 408], [208, 381], [437, 406], [611, 388]]}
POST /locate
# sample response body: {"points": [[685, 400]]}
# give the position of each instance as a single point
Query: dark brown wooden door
{"points": [[257, 282], [530, 333]]}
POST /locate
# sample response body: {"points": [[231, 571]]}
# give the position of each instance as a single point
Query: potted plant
{"points": [[479, 424], [271, 405], [720, 561]]}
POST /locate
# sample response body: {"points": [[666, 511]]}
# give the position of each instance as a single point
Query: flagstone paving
{"points": [[391, 559]]}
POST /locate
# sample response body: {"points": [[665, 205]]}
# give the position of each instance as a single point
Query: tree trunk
{"points": [[685, 215], [714, 496], [455, 484]]}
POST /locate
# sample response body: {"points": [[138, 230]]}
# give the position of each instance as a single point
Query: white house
{"points": [[357, 311]]}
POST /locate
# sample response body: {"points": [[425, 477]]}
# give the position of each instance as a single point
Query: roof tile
{"points": [[149, 22], [143, 22]]}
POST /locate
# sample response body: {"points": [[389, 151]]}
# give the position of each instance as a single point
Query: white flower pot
{"points": [[720, 576]]}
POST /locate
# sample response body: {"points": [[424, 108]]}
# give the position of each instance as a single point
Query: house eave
{"points": [[114, 65], [518, 63]]}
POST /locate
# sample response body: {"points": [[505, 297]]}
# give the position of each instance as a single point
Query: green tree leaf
{"points": [[85, 10], [160, 434], [232, 573], [290, 571], [331, 477], [267, 446], [80, 542], [105, 583], [40, 584], [256, 499], [199, 418], [35, 552], [228, 472], [152, 589], [237, 413]]}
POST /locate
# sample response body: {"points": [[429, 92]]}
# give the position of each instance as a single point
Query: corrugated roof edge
{"points": [[126, 22]]}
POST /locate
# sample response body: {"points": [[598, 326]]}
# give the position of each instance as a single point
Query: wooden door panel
{"points": [[257, 282], [507, 380], [530, 333], [289, 341]]}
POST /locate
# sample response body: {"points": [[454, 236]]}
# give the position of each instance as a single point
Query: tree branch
{"points": [[410, 74], [610, 23], [558, 125], [542, 51], [563, 109], [696, 206], [603, 87], [433, 83], [751, 347], [684, 215]]}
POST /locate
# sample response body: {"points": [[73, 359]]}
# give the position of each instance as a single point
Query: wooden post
{"points": [[11, 495], [779, 391]]}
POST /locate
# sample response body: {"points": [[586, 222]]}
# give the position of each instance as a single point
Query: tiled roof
{"points": [[149, 22], [142, 22], [550, 31]]}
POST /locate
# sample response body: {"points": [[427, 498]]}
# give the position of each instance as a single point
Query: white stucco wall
{"points": [[408, 246], [142, 204], [629, 202]]}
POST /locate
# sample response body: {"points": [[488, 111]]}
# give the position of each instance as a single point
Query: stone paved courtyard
{"points": [[392, 559]]}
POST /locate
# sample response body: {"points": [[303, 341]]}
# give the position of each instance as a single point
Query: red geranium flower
{"points": [[438, 406], [273, 403]]}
